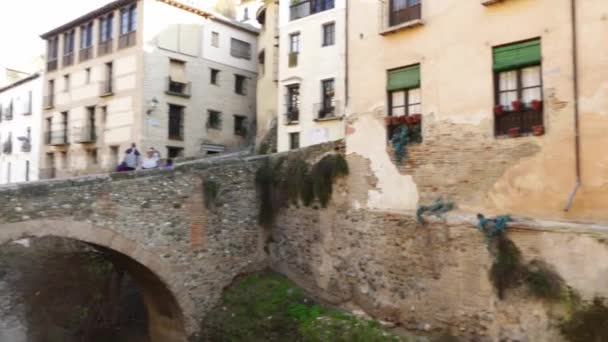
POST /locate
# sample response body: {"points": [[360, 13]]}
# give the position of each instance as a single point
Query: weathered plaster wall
{"points": [[460, 157]]}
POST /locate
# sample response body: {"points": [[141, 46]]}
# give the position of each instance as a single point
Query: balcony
{"points": [[293, 59], [303, 8], [26, 144], [292, 116], [327, 111], [127, 39], [51, 65], [106, 88], [178, 88], [392, 21], [87, 135], [105, 48], [85, 54], [48, 102], [68, 59], [56, 138]]}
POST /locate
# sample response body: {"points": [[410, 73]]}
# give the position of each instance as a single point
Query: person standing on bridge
{"points": [[131, 158]]}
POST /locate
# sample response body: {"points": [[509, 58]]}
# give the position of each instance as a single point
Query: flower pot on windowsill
{"points": [[538, 130], [416, 119], [514, 132], [395, 120], [499, 110], [537, 105], [516, 105], [388, 120]]}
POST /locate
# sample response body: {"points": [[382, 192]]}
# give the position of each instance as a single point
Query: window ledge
{"points": [[490, 2], [332, 118], [107, 94], [402, 26], [172, 93], [292, 123]]}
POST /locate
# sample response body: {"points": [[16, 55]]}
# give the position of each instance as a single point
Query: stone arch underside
{"points": [[171, 314]]}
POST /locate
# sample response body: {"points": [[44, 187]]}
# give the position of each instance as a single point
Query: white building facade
{"points": [[158, 73], [20, 130], [312, 69]]}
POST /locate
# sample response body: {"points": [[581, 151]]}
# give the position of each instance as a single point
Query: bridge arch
{"points": [[170, 311]]}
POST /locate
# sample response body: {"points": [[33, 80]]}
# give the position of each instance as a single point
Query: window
{"points": [[240, 84], [402, 11], [178, 81], [92, 157], [68, 48], [294, 141], [215, 74], [246, 14], [294, 43], [240, 49], [176, 122], [66, 83], [128, 19], [215, 39], [403, 88], [174, 152], [329, 34], [88, 131], [240, 125], [52, 52], [302, 8], [104, 114], [86, 36], [214, 119], [327, 106], [292, 103], [105, 28], [261, 62], [518, 84]]}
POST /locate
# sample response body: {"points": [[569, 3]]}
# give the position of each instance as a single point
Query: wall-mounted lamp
{"points": [[152, 105]]}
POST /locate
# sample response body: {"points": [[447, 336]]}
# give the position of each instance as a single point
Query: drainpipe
{"points": [[346, 94], [577, 147]]}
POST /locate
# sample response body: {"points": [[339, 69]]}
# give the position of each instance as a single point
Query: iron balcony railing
{"points": [[68, 59], [127, 39], [48, 102], [106, 88], [85, 54], [303, 8], [104, 48], [52, 64], [292, 115], [327, 110], [56, 138], [87, 134], [178, 88]]}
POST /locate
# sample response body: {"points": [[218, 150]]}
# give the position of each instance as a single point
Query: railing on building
{"points": [[303, 8], [106, 88], [56, 138], [127, 39], [178, 88], [85, 54], [395, 20], [292, 115], [48, 101], [104, 48], [87, 135], [68, 59], [52, 64], [7, 146], [327, 110], [26, 144]]}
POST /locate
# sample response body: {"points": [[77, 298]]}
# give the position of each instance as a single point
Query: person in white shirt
{"points": [[151, 159]]}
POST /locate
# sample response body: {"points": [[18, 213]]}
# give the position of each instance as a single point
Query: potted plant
{"points": [[537, 105], [499, 110], [416, 118], [514, 132], [538, 130], [388, 120], [516, 105], [395, 120]]}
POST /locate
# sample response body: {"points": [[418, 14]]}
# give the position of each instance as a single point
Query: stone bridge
{"points": [[154, 224], [182, 254]]}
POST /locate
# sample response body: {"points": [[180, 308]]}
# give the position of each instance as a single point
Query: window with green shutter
{"points": [[404, 78], [517, 55]]}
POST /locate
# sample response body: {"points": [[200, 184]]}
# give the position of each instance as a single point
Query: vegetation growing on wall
{"points": [[543, 281], [588, 323], [211, 189], [269, 307], [294, 181]]}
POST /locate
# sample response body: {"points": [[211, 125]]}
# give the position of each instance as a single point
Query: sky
{"points": [[23, 21]]}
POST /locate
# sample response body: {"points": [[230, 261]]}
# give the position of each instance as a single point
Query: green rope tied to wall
{"points": [[437, 208]]}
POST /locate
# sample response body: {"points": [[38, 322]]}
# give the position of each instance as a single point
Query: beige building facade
{"points": [[140, 71], [500, 98]]}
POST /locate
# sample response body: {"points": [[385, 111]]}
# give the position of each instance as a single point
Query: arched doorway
{"points": [[168, 308]]}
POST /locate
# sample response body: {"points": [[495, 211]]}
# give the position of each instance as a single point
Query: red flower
{"points": [[516, 105], [538, 130], [416, 118], [537, 105], [514, 132], [499, 110], [395, 120]]}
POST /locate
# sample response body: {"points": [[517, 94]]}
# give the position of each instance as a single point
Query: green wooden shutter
{"points": [[517, 55], [404, 78]]}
